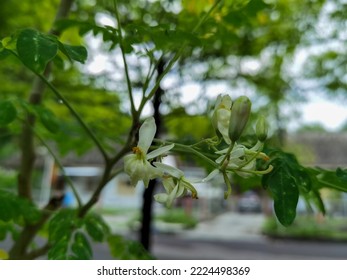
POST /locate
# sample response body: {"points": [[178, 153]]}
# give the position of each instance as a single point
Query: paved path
{"points": [[231, 236], [165, 247]]}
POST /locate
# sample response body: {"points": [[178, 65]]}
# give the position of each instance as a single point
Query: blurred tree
{"points": [[312, 127], [325, 65]]}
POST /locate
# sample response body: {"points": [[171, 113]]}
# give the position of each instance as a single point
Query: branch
{"points": [[19, 248], [106, 177], [126, 70], [38, 252]]}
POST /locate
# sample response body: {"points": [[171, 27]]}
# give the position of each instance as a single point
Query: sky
{"points": [[331, 114]]}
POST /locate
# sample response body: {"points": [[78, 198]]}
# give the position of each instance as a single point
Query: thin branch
{"points": [[126, 70], [151, 71], [38, 252], [188, 149], [107, 175]]}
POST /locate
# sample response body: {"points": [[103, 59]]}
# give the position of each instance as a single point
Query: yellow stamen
{"points": [[137, 150]]}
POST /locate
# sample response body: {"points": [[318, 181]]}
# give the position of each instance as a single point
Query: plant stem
{"points": [[95, 197], [336, 187], [126, 70], [189, 149], [227, 156], [227, 193]]}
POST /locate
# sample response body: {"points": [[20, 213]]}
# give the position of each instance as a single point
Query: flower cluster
{"points": [[229, 120], [140, 168]]}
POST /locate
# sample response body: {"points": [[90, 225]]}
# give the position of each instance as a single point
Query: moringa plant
{"points": [[139, 154]]}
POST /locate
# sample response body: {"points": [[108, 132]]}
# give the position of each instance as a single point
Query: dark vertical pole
{"points": [[145, 231]]}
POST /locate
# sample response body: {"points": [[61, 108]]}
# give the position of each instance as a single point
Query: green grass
{"points": [[178, 216], [114, 211], [308, 228]]}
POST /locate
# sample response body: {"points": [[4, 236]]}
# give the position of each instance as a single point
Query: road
{"points": [[172, 247], [235, 237]]}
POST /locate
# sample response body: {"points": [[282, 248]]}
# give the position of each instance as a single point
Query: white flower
{"points": [[242, 159], [175, 184], [137, 165]]}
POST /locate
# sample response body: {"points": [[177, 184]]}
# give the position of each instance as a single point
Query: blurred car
{"points": [[249, 202]]}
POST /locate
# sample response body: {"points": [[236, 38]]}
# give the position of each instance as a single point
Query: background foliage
{"points": [[246, 47]]}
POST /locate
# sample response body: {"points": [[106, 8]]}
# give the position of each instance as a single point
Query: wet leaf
{"points": [[35, 49]]}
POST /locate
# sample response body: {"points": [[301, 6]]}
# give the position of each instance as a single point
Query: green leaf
{"points": [[30, 213], [59, 250], [196, 6], [303, 179], [81, 247], [15, 208], [117, 246], [284, 183], [8, 112], [3, 52], [124, 249], [341, 174], [331, 179], [35, 49], [60, 231], [7, 211], [285, 194], [48, 119], [318, 201], [62, 224], [96, 227], [77, 53], [3, 231]]}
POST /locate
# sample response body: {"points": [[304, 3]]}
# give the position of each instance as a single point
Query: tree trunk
{"points": [[145, 231]]}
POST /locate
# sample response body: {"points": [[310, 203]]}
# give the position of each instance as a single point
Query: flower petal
{"points": [[226, 102], [210, 176], [161, 197], [146, 134], [139, 170], [160, 151], [181, 190], [173, 171], [223, 117], [257, 147], [169, 184], [171, 197], [238, 151]]}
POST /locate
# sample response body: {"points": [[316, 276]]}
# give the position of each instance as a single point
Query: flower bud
{"points": [[239, 116], [221, 116], [261, 129]]}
